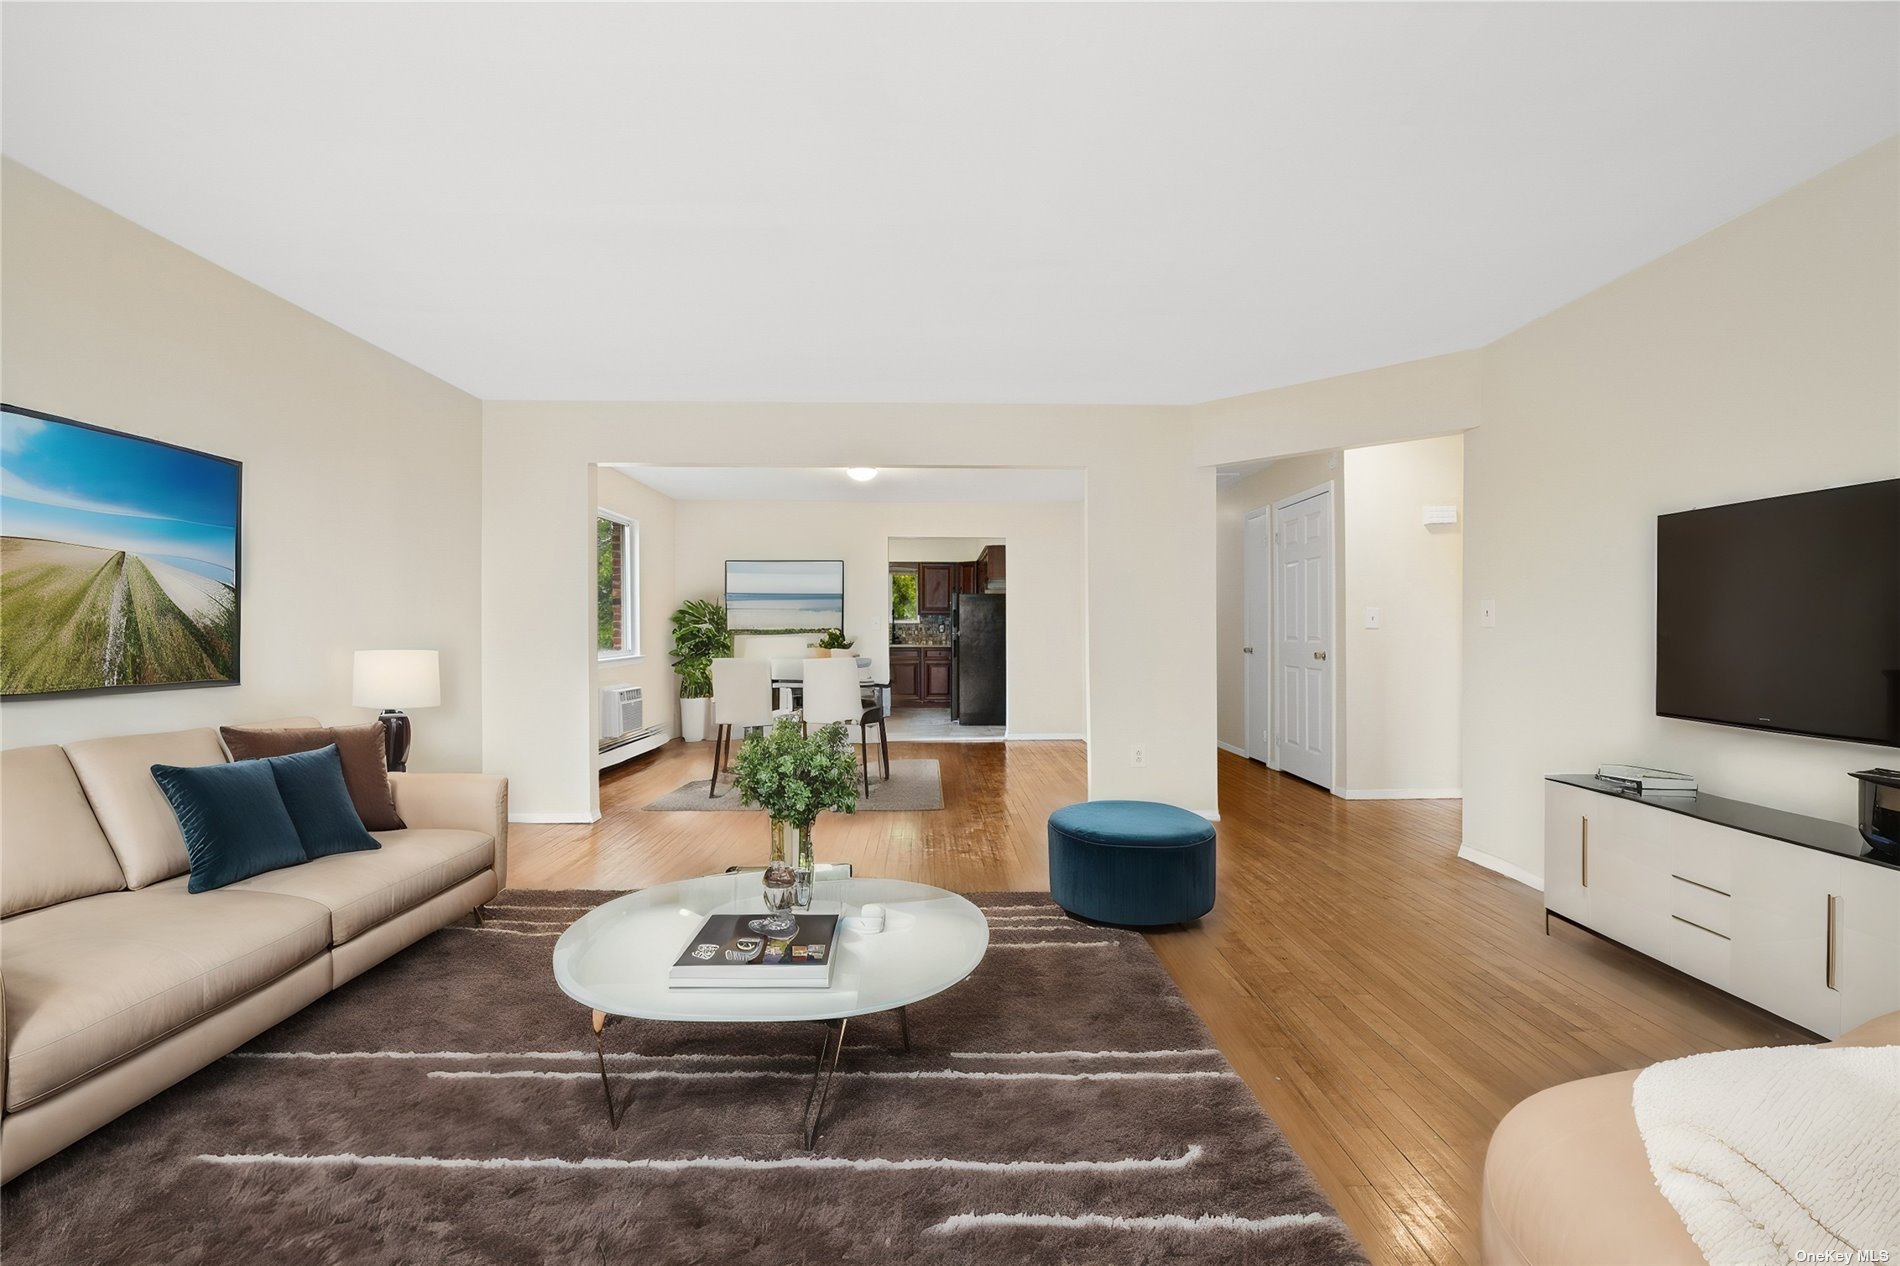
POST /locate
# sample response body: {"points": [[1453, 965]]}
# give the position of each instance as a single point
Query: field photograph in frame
{"points": [[118, 560]]}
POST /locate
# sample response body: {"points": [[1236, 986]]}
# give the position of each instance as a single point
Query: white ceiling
{"points": [[1152, 203], [905, 483]]}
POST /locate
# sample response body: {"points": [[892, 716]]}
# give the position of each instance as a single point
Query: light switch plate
{"points": [[1372, 617]]}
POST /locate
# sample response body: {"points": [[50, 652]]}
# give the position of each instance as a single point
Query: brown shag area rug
{"points": [[1062, 1105]]}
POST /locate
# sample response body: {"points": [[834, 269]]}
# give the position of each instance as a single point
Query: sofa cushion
{"points": [[233, 819], [362, 748], [362, 890], [54, 850], [311, 784], [133, 812], [92, 981]]}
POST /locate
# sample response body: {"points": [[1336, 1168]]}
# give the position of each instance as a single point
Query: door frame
{"points": [[1248, 633], [1274, 663]]}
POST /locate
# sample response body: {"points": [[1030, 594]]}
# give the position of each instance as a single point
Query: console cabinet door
{"points": [[1566, 831], [1629, 874], [1780, 951], [1867, 941]]}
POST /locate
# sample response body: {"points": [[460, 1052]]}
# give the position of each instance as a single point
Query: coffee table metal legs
{"points": [[615, 1114], [831, 1047], [830, 1050]]}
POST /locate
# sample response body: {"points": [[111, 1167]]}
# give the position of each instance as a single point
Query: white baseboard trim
{"points": [[539, 819], [1212, 815], [1510, 870], [1399, 793], [1013, 737], [1229, 747]]}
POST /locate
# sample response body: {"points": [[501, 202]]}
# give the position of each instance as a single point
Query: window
{"points": [[904, 595], [617, 571]]}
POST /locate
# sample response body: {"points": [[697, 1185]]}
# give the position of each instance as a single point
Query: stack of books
{"points": [[740, 951], [1647, 781]]}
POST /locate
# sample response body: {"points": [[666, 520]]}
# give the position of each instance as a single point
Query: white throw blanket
{"points": [[1787, 1154]]}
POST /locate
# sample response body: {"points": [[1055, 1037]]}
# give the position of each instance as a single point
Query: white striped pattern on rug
{"points": [[1165, 1222], [856, 1074], [863, 1164], [634, 1057]]}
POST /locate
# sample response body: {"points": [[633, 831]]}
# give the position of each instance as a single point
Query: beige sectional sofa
{"points": [[115, 982], [1567, 1180]]}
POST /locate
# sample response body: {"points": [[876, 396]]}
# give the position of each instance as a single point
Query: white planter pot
{"points": [[693, 716]]}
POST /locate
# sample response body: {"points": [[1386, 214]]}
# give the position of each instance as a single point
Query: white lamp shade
{"points": [[397, 679]]}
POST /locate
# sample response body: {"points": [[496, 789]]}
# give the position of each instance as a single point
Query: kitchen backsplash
{"points": [[930, 630]]}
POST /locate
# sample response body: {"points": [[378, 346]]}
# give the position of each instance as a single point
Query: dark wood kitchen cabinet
{"points": [[966, 578], [936, 583], [933, 687], [907, 663], [991, 575]]}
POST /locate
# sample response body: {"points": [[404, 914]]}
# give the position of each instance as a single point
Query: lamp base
{"points": [[396, 734]]}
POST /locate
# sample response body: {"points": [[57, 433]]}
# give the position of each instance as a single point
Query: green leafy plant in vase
{"points": [[795, 776], [700, 636], [833, 643]]}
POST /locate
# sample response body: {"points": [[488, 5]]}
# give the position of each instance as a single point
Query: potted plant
{"points": [[794, 777], [834, 642], [699, 637]]}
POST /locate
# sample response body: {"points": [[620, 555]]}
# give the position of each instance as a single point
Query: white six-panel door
{"points": [[1257, 651], [1303, 594]]}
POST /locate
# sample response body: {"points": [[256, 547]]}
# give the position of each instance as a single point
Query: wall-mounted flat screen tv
{"points": [[1784, 614], [118, 560]]}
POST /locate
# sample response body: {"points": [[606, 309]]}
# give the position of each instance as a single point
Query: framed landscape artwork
{"points": [[784, 597], [118, 560]]}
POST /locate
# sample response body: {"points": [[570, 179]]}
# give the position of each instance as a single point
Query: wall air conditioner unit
{"points": [[622, 712]]}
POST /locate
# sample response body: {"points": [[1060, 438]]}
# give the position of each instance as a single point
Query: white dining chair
{"points": [[834, 691], [742, 700]]}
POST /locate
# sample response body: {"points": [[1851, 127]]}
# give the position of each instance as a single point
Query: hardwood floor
{"points": [[1385, 1001]]}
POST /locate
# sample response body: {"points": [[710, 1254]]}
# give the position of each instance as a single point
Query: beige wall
{"points": [[1763, 358], [652, 669], [361, 511], [1235, 500], [1046, 645], [1439, 396], [1402, 700], [944, 549], [1148, 542]]}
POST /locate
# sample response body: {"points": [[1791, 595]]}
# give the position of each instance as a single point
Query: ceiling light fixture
{"points": [[863, 474]]}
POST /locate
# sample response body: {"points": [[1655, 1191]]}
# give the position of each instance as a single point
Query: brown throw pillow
{"points": [[365, 771]]}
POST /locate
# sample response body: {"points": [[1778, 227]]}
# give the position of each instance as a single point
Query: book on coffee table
{"points": [[740, 951]]}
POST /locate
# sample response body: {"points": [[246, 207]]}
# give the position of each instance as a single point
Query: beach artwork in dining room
{"points": [[784, 597]]}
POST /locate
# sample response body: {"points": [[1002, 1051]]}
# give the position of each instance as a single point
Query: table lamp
{"points": [[392, 681]]}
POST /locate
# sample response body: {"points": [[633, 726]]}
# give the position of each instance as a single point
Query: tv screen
{"points": [[1784, 614]]}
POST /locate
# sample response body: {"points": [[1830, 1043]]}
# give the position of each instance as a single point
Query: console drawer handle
{"points": [[1694, 884], [1698, 927]]}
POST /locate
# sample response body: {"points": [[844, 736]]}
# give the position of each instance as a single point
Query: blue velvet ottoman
{"points": [[1131, 862]]}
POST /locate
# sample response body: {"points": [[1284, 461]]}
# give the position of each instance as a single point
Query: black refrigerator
{"points": [[977, 675]]}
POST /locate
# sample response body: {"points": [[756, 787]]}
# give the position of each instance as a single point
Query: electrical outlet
{"points": [[1372, 617], [1138, 756], [1488, 613]]}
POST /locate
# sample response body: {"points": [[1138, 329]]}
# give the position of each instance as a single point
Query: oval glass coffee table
{"points": [[614, 960]]}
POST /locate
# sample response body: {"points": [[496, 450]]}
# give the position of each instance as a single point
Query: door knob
{"points": [[1319, 654]]}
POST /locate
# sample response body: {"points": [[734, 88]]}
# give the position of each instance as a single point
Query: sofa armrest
{"points": [[464, 802]]}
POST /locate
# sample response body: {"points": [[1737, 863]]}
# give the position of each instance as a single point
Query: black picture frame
{"points": [[236, 626]]}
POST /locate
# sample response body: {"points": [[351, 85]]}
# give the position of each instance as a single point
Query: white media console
{"points": [[1791, 913]]}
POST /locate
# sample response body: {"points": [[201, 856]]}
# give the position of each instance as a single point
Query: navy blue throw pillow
{"points": [[233, 820], [318, 801]]}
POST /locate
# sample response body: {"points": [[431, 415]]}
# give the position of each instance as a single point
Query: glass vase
{"points": [[780, 881], [803, 890]]}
